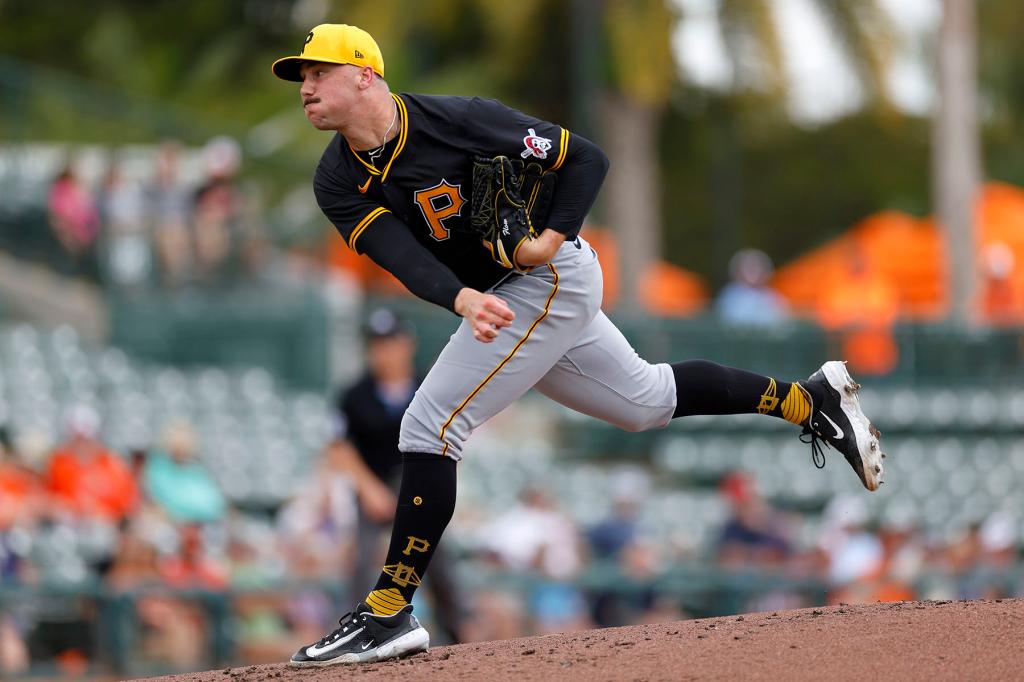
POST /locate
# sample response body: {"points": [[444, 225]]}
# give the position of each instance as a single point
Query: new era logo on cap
{"points": [[359, 55]]}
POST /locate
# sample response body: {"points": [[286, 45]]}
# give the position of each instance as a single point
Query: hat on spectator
{"points": [[384, 323], [738, 487]]}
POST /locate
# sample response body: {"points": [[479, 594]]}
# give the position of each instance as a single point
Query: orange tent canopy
{"points": [[911, 254]]}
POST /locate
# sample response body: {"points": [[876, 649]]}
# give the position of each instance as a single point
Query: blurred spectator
{"points": [[169, 207], [125, 240], [495, 614], [260, 609], [191, 567], [610, 538], [74, 220], [20, 497], [14, 657], [216, 214], [254, 553], [748, 299], [135, 561], [22, 500], [170, 631], [998, 536], [534, 535], [887, 580], [851, 551], [180, 484], [755, 535], [859, 307], [619, 539], [318, 525], [537, 538], [22, 493], [1001, 303], [980, 559], [87, 478]]}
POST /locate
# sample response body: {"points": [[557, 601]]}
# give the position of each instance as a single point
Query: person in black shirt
{"points": [[396, 181]]}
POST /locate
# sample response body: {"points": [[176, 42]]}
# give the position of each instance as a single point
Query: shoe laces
{"points": [[349, 619], [815, 441]]}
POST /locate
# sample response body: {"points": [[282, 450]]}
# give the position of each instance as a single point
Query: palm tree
{"points": [[956, 161], [643, 71]]}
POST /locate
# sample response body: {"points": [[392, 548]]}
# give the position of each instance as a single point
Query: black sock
{"points": [[426, 502], [704, 387]]}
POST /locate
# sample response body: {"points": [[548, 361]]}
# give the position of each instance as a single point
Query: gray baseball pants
{"points": [[560, 342]]}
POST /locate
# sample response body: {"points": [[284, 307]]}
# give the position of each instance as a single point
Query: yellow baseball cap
{"points": [[334, 44]]}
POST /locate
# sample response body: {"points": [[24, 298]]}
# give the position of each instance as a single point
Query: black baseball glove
{"points": [[508, 199]]}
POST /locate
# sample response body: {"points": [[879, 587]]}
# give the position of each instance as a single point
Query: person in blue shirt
{"points": [[748, 300], [180, 484]]}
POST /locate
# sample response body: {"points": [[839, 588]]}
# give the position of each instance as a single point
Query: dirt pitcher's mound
{"points": [[975, 640]]}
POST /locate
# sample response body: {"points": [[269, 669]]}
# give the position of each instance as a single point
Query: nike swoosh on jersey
{"points": [[365, 186], [314, 650], [839, 431]]}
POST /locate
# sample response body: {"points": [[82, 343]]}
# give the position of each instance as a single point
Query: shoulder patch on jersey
{"points": [[535, 145]]}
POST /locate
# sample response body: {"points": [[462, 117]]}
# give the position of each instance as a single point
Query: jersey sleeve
{"points": [[494, 129], [351, 212]]}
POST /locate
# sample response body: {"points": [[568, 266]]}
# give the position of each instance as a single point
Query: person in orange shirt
{"points": [[21, 488], [21, 499], [85, 477], [192, 567]]}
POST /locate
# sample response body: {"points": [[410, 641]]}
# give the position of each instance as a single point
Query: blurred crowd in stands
{"points": [[154, 525], [174, 215], [159, 229]]}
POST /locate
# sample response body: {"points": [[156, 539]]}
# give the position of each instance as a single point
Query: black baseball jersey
{"points": [[424, 176]]}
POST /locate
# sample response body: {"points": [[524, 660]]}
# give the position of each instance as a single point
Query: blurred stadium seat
{"points": [[257, 438]]}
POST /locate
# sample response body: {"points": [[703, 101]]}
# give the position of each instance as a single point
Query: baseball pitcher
{"points": [[477, 208]]}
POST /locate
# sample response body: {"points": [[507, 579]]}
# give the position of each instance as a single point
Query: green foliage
{"points": [[778, 187], [640, 50], [1001, 61], [754, 44], [866, 35]]}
